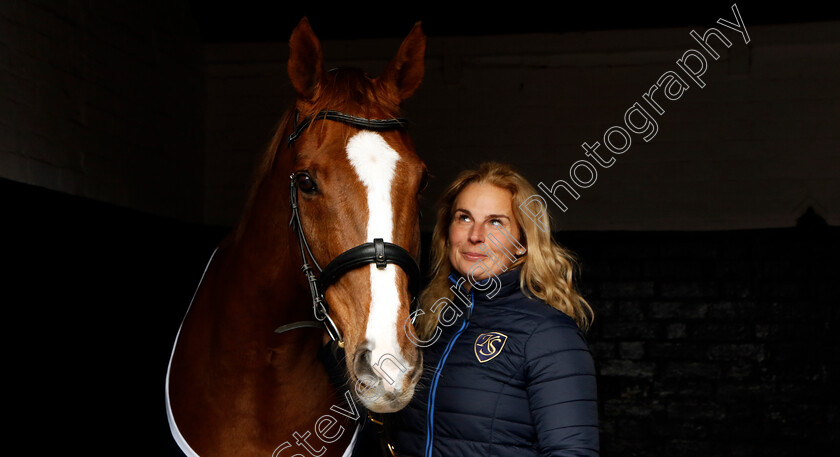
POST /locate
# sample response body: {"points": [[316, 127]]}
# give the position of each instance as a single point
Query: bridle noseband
{"points": [[377, 252]]}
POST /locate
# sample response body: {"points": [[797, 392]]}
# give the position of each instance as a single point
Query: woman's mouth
{"points": [[473, 256]]}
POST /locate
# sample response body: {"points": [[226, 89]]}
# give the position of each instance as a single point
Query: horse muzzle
{"points": [[384, 382]]}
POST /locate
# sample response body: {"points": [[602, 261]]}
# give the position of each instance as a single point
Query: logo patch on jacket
{"points": [[489, 345]]}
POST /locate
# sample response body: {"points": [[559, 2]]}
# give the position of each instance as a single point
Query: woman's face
{"points": [[482, 209]]}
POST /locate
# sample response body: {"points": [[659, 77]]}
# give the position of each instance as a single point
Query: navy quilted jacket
{"points": [[510, 377]]}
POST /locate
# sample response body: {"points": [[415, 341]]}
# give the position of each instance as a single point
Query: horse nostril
{"points": [[362, 364]]}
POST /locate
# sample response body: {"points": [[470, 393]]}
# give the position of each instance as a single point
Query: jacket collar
{"points": [[509, 284]]}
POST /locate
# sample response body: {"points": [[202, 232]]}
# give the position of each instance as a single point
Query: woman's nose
{"points": [[477, 234]]}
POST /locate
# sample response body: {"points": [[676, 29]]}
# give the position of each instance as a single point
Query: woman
{"points": [[508, 372]]}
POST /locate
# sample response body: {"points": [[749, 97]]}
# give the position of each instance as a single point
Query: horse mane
{"points": [[264, 168]]}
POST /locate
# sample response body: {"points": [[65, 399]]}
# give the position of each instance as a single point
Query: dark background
{"points": [[256, 21], [706, 343]]}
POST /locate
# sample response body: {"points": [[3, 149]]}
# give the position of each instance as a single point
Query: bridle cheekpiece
{"points": [[377, 252]]}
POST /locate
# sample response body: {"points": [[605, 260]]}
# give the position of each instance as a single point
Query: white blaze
{"points": [[375, 162]]}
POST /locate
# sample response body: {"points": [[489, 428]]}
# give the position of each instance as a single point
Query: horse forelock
{"points": [[352, 91]]}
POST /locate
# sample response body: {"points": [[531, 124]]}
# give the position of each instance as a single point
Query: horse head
{"points": [[354, 184]]}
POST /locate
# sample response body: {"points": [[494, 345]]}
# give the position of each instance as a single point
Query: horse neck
{"points": [[263, 251]]}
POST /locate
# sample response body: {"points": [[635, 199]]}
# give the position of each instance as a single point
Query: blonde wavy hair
{"points": [[548, 270]]}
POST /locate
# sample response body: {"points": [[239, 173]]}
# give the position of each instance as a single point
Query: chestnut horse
{"points": [[234, 386]]}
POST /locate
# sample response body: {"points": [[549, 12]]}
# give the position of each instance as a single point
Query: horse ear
{"points": [[404, 73], [305, 59]]}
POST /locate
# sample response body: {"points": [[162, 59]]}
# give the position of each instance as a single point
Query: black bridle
{"points": [[338, 116], [377, 252]]}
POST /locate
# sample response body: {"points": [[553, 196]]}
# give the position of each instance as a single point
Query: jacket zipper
{"points": [[430, 409]]}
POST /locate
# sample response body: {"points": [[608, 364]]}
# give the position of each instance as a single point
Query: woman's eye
{"points": [[305, 183], [463, 218], [495, 222]]}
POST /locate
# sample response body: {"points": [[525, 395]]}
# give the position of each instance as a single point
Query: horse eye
{"points": [[306, 183], [424, 182]]}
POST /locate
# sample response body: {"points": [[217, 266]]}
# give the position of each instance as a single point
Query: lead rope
{"points": [[385, 441]]}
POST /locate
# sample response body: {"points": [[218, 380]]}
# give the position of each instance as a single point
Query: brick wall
{"points": [[714, 343], [103, 100]]}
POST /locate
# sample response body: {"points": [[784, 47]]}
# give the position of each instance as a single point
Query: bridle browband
{"points": [[377, 252], [338, 116]]}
